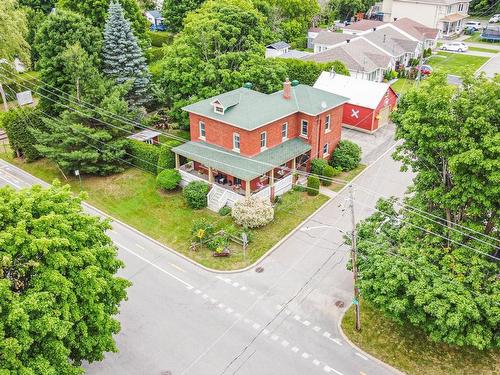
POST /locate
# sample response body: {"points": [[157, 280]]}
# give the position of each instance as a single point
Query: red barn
{"points": [[370, 103]]}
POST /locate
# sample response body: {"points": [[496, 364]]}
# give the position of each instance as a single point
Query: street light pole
{"points": [[353, 260]]}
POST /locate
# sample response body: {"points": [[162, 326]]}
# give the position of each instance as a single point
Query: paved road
{"points": [[284, 320]]}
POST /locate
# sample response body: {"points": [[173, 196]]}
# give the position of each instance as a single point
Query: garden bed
{"points": [[409, 349], [132, 197]]}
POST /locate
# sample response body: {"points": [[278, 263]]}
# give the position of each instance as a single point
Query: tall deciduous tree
{"points": [[60, 30], [58, 287], [13, 31], [96, 12], [123, 60], [433, 271], [174, 12], [44, 6]]}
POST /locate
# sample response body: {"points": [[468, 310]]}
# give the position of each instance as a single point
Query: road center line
{"points": [[187, 285]]}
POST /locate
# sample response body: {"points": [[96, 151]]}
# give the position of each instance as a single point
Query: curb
{"points": [[375, 359]]}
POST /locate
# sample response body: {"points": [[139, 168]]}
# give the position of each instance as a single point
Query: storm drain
{"points": [[339, 304], [259, 269]]}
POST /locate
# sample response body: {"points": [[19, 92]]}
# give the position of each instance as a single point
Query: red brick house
{"points": [[370, 103], [244, 142]]}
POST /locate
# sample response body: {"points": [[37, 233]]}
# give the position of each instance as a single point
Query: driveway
{"points": [[182, 319], [491, 67]]}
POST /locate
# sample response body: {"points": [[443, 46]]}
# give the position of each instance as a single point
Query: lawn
{"points": [[475, 38], [481, 49], [454, 63], [346, 176], [408, 349], [402, 85], [132, 197]]}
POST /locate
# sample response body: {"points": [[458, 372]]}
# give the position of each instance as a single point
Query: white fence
{"points": [[188, 177], [283, 185]]}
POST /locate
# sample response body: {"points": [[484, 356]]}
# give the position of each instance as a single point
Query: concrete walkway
{"points": [[491, 67]]}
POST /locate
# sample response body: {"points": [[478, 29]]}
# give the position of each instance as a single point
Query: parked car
{"points": [[495, 18], [454, 46], [474, 25], [425, 70]]}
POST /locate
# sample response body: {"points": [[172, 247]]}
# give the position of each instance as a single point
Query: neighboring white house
{"points": [[312, 33], [154, 17], [445, 15], [277, 49]]}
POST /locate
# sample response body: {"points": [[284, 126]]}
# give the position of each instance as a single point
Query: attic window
{"points": [[218, 108]]}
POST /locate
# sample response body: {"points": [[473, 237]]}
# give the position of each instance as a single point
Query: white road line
{"points": [[187, 285], [326, 334], [361, 356], [295, 349], [316, 328], [213, 300], [316, 362], [307, 323], [139, 246], [296, 317], [204, 296], [238, 315], [221, 305], [177, 267], [328, 369], [256, 326], [275, 337], [229, 310], [243, 288], [278, 307], [246, 320], [197, 291], [11, 182], [265, 332], [285, 343], [305, 355], [236, 285], [336, 341]]}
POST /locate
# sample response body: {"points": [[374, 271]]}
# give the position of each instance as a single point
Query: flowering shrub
{"points": [[253, 212]]}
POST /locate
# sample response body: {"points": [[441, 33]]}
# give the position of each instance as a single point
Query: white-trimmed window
{"points": [[201, 127], [325, 149], [327, 123], [236, 142], [304, 128], [263, 140], [284, 131], [218, 108]]}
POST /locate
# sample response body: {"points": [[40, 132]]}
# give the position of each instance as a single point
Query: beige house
{"points": [[448, 16]]}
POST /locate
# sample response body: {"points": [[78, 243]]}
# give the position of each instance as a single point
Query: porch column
{"points": [[210, 175], [177, 161], [271, 185], [247, 188], [294, 165]]}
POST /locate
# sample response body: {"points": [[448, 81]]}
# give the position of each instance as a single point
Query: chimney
{"points": [[287, 89]]}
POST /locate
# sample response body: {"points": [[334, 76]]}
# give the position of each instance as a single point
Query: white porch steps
{"points": [[216, 198]]}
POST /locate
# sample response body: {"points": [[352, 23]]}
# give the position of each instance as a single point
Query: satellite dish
{"points": [[323, 104]]}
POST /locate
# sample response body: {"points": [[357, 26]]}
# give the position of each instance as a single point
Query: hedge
{"points": [[328, 173], [17, 123], [168, 179], [312, 185], [143, 155], [346, 156], [318, 166], [166, 159]]}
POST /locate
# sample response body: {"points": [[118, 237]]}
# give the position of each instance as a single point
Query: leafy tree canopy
{"points": [[174, 12], [345, 9], [96, 11], [42, 5], [13, 31], [58, 289], [59, 31], [452, 142]]}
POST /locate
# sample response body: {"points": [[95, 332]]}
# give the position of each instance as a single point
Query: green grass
{"points": [[132, 197], [346, 176], [402, 85], [481, 49], [476, 38], [408, 349], [454, 63]]}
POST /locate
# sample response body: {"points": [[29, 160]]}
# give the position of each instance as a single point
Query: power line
{"points": [[430, 232]]}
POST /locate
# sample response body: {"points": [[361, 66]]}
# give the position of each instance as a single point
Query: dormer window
{"points": [[218, 109]]}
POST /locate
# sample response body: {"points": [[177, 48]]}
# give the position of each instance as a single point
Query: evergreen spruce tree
{"points": [[123, 59]]}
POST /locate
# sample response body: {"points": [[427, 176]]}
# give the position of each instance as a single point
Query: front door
{"points": [[383, 116]]}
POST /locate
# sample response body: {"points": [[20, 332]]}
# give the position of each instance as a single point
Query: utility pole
{"points": [[353, 260], [4, 99]]}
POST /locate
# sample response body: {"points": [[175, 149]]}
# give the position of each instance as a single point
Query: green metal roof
{"points": [[240, 166], [251, 109]]}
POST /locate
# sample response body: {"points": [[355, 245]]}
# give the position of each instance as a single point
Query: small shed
{"points": [[277, 49], [147, 136], [154, 17], [370, 103]]}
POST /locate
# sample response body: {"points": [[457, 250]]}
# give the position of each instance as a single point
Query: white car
{"points": [[474, 25], [495, 18], [454, 46]]}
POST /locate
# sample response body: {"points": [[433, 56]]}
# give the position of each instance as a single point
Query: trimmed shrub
{"points": [[195, 194], [312, 185], [253, 212], [17, 123], [168, 179], [224, 211], [299, 188], [318, 165], [143, 155], [346, 156], [166, 159], [328, 173]]}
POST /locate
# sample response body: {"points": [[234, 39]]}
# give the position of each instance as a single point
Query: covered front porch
{"points": [[452, 24], [234, 177]]}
